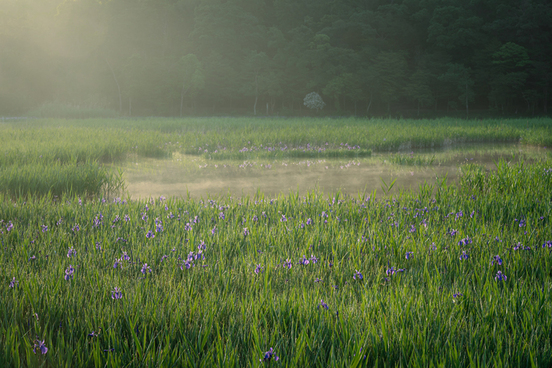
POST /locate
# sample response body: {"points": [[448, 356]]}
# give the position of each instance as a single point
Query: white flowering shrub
{"points": [[314, 101]]}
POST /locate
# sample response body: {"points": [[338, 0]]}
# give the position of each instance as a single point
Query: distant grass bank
{"points": [[71, 143]]}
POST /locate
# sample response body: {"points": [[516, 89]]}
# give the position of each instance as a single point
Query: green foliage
{"points": [[191, 57], [220, 312]]}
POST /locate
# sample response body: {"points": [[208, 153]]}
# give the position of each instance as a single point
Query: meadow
{"points": [[450, 275]]}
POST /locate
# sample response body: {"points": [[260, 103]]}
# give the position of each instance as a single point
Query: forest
{"points": [[262, 57]]}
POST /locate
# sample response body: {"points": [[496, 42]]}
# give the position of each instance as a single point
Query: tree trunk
{"points": [[182, 97], [256, 95], [467, 107], [546, 97], [118, 87], [369, 104]]}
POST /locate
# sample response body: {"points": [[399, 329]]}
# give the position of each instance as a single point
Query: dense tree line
{"points": [[364, 57]]}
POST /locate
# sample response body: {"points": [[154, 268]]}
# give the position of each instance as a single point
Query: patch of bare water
{"points": [[195, 176]]}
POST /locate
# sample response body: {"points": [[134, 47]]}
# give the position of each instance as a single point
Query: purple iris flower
{"points": [[547, 244], [391, 271], [145, 269], [313, 259], [40, 346], [323, 304], [69, 273], [150, 235], [9, 227], [44, 228], [288, 263], [309, 221], [126, 218], [464, 255], [318, 280], [268, 356], [75, 228], [125, 256], [357, 275], [412, 229], [467, 240], [14, 283], [116, 293], [245, 231], [117, 263], [258, 269], [409, 255], [32, 258], [500, 276], [71, 252], [496, 259], [93, 334], [283, 219], [221, 216]]}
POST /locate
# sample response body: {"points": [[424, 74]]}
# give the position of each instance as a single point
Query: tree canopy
{"points": [[181, 57]]}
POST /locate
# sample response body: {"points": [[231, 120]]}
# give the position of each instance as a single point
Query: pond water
{"points": [[184, 175]]}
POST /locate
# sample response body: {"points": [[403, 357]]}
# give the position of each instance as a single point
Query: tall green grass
{"points": [[221, 313]]}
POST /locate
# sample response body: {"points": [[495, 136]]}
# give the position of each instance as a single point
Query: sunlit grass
{"points": [[226, 314]]}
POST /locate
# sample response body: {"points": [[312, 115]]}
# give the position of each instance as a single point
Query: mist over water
{"points": [[187, 175]]}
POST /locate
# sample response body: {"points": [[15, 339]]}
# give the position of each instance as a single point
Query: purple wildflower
{"points": [[357, 275], [9, 227], [323, 304], [44, 228], [69, 273], [500, 276], [14, 283], [116, 293], [268, 356], [283, 219], [288, 263], [221, 216], [309, 221], [40, 346], [391, 271], [318, 280], [150, 235], [496, 259], [313, 259], [409, 255], [145, 269], [258, 269], [547, 244], [75, 228], [304, 261], [245, 231], [71, 252], [117, 263], [412, 229], [32, 258], [464, 255]]}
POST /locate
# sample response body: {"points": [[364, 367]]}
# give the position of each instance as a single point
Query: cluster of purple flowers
{"points": [[268, 356], [323, 304], [145, 269], [69, 273], [467, 240], [40, 347], [71, 252], [116, 293], [392, 270]]}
